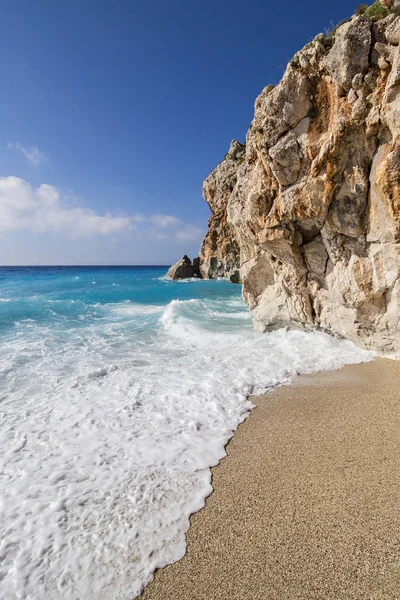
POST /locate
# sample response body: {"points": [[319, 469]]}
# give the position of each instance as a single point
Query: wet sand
{"points": [[307, 503]]}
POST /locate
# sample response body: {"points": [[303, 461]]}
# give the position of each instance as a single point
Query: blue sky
{"points": [[113, 113]]}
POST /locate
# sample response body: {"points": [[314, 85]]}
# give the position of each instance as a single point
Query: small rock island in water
{"points": [[185, 269]]}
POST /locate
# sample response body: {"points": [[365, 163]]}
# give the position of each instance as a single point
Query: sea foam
{"points": [[110, 426]]}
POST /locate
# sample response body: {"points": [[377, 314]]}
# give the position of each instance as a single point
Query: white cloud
{"points": [[33, 155], [172, 229], [45, 210], [164, 221], [189, 233]]}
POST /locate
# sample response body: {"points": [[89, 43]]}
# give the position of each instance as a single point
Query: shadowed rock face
{"points": [[309, 208]]}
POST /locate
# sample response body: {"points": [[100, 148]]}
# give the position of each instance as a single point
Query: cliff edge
{"points": [[308, 209]]}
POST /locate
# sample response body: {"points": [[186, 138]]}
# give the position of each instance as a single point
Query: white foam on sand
{"points": [[108, 439]]}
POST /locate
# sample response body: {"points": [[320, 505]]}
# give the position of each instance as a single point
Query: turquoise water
{"points": [[118, 390], [73, 295]]}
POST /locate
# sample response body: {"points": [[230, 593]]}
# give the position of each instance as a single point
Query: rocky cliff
{"points": [[220, 252], [308, 210]]}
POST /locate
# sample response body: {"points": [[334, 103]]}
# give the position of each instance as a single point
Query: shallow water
{"points": [[118, 390]]}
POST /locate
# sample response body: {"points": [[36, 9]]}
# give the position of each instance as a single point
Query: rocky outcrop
{"points": [[185, 269], [219, 252], [309, 208], [196, 267]]}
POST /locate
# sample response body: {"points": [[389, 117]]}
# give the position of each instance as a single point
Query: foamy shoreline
{"points": [[306, 505], [120, 396]]}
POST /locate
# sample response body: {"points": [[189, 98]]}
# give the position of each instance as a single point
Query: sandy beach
{"points": [[307, 503]]}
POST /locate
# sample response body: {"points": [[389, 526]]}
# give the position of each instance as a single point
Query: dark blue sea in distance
{"points": [[118, 390]]}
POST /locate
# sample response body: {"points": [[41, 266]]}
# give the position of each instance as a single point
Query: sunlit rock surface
{"points": [[308, 209]]}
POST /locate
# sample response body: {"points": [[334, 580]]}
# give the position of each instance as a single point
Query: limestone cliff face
{"points": [[309, 209], [220, 252]]}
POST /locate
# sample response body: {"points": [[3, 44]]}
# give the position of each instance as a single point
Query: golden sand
{"points": [[307, 503]]}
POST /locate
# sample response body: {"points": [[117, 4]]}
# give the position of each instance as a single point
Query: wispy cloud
{"points": [[189, 233], [164, 221], [46, 209], [172, 229], [33, 155]]}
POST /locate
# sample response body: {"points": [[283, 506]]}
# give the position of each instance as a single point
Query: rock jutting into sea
{"points": [[307, 212], [185, 269]]}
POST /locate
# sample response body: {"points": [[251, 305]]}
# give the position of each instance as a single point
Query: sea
{"points": [[119, 389]]}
